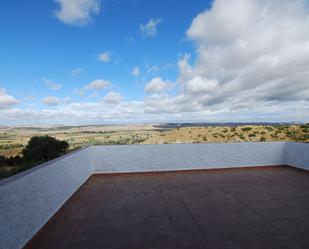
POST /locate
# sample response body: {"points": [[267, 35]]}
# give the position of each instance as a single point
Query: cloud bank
{"points": [[251, 61]]}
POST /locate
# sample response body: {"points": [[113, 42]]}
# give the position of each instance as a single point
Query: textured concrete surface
{"points": [[297, 155], [138, 158], [263, 207], [29, 200]]}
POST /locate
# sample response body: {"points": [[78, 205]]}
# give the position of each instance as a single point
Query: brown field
{"points": [[12, 139], [219, 134]]}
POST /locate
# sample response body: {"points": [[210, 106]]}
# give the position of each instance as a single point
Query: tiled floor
{"points": [[233, 208]]}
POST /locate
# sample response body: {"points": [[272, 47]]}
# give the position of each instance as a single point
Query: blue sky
{"points": [[119, 61]]}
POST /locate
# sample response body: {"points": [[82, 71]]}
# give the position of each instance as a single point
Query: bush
{"points": [[13, 161], [246, 129], [43, 148], [8, 172], [269, 128], [2, 160]]}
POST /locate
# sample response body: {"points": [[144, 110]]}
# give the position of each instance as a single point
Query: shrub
{"points": [[246, 129], [306, 137], [13, 161], [8, 172], [269, 128], [2, 161], [43, 148]]}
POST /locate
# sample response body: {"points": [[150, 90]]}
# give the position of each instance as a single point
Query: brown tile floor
{"points": [[234, 208]]}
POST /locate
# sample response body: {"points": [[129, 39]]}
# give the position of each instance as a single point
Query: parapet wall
{"points": [[297, 155], [29, 199], [141, 158]]}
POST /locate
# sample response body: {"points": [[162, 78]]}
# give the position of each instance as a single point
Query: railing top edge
{"points": [[38, 167]]}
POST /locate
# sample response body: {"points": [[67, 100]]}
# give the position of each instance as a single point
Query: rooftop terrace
{"points": [[246, 208], [237, 195]]}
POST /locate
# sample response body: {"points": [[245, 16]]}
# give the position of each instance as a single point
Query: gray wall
{"points": [[297, 155], [29, 199], [139, 158]]}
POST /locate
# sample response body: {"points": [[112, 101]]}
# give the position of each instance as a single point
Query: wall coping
{"points": [[39, 167]]}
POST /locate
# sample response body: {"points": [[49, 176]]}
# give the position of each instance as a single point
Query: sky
{"points": [[79, 62]]}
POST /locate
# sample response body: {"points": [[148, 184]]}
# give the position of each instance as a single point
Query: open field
{"points": [[12, 139], [243, 133]]}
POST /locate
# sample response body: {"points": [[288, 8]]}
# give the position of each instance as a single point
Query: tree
{"points": [[13, 160], [43, 148], [2, 161]]}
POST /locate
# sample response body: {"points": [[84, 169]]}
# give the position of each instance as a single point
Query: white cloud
{"points": [[153, 69], [6, 100], [76, 71], [51, 101], [104, 57], [169, 66], [55, 101], [77, 12], [51, 84], [113, 97], [150, 29], [67, 100], [136, 71], [257, 60], [157, 85], [199, 85], [95, 85], [254, 67]]}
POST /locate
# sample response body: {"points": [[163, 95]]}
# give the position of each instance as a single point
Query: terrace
{"points": [[237, 195]]}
